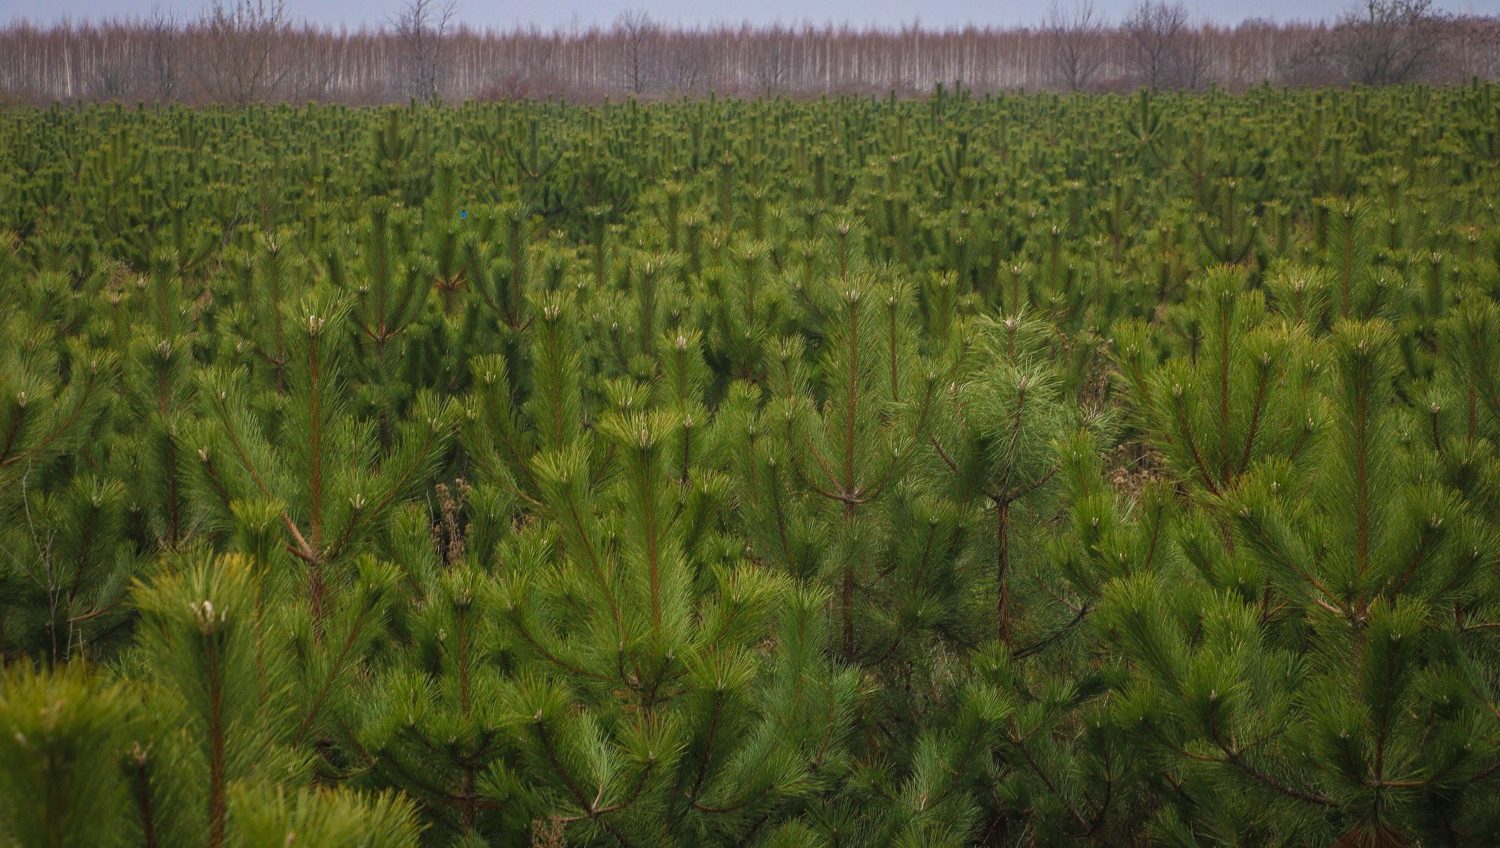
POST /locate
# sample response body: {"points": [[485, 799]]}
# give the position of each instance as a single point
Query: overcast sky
{"points": [[562, 13]]}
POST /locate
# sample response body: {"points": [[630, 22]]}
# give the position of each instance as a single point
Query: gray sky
{"points": [[562, 13]]}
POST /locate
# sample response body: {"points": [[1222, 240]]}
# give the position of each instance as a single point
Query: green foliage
{"points": [[64, 733], [268, 817], [1005, 470]]}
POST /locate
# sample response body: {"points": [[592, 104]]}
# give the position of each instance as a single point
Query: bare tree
{"points": [[1480, 40], [770, 61], [1379, 42], [1075, 42], [246, 50], [239, 38], [1158, 33], [686, 62], [1192, 60], [422, 27], [161, 41], [314, 69], [110, 74], [638, 30]]}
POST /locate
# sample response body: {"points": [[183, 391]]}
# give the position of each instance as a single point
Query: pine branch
{"points": [[557, 768]]}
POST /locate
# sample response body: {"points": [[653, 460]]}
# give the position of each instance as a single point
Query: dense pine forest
{"points": [[1005, 470]]}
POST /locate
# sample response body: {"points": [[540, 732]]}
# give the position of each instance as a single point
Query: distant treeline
{"points": [[250, 51]]}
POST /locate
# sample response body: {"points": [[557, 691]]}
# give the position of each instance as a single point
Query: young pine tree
{"points": [[1346, 710]]}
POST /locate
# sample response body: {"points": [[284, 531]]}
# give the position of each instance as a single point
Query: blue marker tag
{"points": [[463, 214]]}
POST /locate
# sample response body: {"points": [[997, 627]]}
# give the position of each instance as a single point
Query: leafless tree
{"points": [[1479, 43], [314, 69], [540, 60], [248, 52], [1075, 42], [770, 62], [161, 72], [240, 38], [110, 74], [638, 31], [1192, 60], [1379, 42], [422, 28], [686, 63], [1157, 30]]}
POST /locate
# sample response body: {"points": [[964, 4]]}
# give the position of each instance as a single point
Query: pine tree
{"points": [[867, 471], [999, 448], [333, 488], [850, 427], [1344, 707], [647, 619], [1234, 388], [64, 733], [52, 396]]}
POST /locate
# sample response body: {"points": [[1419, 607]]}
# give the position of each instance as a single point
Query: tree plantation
{"points": [[1008, 470]]}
